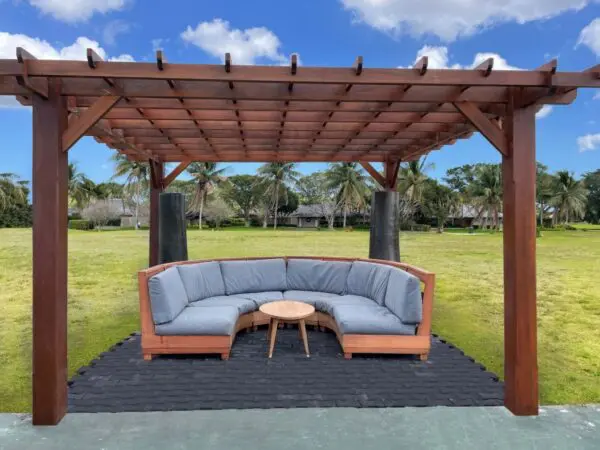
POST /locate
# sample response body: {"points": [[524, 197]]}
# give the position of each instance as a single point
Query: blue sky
{"points": [[387, 33]]}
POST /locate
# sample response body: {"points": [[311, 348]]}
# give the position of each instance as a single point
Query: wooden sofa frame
{"points": [[419, 344]]}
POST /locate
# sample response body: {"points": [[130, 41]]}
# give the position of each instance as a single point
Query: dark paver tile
{"points": [[120, 380]]}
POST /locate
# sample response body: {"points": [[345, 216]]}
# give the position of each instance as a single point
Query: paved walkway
{"points": [[478, 428], [121, 381]]}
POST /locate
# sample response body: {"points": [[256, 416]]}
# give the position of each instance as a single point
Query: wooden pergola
{"points": [[160, 113]]}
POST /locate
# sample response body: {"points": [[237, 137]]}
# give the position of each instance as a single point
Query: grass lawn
{"points": [[103, 304]]}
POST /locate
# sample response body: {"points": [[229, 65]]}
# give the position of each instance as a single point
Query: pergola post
{"points": [[156, 187], [520, 328], [50, 210]]}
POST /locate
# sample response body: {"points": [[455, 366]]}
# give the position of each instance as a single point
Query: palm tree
{"points": [[351, 185], [544, 189], [412, 178], [206, 176], [569, 197], [486, 193], [81, 188], [137, 179], [11, 192], [274, 177]]}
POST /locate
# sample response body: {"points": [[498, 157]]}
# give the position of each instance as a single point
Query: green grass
{"points": [[103, 304], [586, 226]]}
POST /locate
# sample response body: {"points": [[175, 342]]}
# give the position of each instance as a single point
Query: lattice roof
{"points": [[182, 112]]}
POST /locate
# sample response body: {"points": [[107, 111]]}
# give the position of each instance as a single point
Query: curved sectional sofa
{"points": [[372, 306]]}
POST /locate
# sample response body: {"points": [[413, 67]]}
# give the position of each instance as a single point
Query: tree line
{"points": [[278, 189]]}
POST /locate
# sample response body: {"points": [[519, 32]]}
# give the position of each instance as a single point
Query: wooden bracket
{"points": [[82, 124], [391, 169], [373, 172], [490, 130], [39, 86], [175, 173]]}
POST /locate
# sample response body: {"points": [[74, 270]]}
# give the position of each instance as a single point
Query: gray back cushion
{"points": [[403, 296], [314, 275], [167, 295], [368, 280], [202, 280], [254, 276]]}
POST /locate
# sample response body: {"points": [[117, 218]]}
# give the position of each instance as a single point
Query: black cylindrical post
{"points": [[384, 240], [172, 228]]}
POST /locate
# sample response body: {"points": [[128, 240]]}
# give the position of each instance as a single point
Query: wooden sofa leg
{"points": [[147, 356], [225, 356], [423, 356], [347, 355]]}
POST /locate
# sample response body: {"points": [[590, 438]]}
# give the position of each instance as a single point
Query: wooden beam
{"points": [[310, 75], [421, 65], [36, 86], [520, 326], [49, 192], [175, 173], [490, 130], [82, 124], [374, 173], [156, 187], [391, 169]]}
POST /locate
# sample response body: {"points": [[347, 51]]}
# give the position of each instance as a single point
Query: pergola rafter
{"points": [[161, 112]]}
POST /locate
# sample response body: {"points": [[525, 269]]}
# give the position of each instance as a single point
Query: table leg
{"points": [[272, 335], [302, 327]]}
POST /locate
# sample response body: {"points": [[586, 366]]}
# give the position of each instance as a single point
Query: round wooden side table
{"points": [[287, 311]]}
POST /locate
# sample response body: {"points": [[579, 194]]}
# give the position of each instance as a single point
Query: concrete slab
{"points": [[318, 428]]}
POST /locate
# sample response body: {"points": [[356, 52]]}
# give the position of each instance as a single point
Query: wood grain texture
{"points": [[519, 234], [81, 125], [156, 187], [50, 197]]}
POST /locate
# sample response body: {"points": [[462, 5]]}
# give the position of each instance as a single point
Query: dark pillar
{"points": [[384, 240], [49, 191], [520, 328], [156, 187], [172, 228]]}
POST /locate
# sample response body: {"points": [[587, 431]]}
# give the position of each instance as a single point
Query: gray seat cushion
{"points": [[310, 297], [203, 321], [368, 280], [403, 296], [326, 304], [167, 295], [254, 276], [315, 275], [260, 298], [202, 280], [374, 319], [243, 305]]}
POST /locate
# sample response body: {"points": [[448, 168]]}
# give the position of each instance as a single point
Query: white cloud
{"points": [[590, 36], [113, 29], [246, 46], [77, 10], [157, 44], [451, 19], [544, 111], [588, 142], [439, 59], [44, 50], [438, 56]]}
